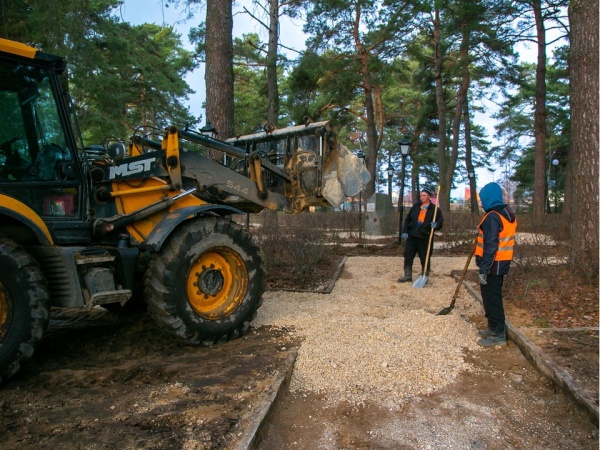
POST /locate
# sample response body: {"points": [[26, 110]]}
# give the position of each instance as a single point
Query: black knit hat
{"points": [[428, 191]]}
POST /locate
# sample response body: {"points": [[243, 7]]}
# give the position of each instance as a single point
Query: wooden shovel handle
{"points": [[432, 231], [462, 275]]}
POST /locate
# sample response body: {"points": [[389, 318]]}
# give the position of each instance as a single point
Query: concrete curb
{"points": [[251, 435], [546, 366]]}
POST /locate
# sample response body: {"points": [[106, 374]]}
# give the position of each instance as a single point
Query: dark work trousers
{"points": [[416, 246], [491, 294]]}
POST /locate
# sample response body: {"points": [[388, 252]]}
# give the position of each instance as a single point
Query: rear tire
{"points": [[24, 306], [206, 283]]}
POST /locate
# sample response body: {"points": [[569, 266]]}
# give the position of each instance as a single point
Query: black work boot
{"points": [[484, 333], [407, 278], [496, 336]]}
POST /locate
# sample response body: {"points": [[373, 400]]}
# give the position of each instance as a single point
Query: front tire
{"points": [[24, 306], [206, 283]]}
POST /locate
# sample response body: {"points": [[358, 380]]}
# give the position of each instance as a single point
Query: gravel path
{"points": [[373, 338]]}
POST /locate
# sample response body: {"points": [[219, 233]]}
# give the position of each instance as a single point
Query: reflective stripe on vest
{"points": [[506, 239]]}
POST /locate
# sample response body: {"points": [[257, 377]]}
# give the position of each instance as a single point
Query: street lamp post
{"points": [[555, 163], [390, 172], [405, 144]]}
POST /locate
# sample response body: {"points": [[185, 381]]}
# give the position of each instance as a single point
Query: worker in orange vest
{"points": [[493, 255], [415, 233]]}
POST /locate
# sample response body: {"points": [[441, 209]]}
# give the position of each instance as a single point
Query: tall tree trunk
{"points": [[371, 159], [439, 96], [567, 198], [461, 98], [539, 119], [469, 159], [414, 157], [272, 87], [368, 89], [583, 16], [415, 185], [219, 68]]}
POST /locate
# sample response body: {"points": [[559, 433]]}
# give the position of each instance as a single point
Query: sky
{"points": [[155, 11]]}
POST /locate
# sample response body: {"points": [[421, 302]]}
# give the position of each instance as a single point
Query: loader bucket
{"points": [[305, 163], [344, 175]]}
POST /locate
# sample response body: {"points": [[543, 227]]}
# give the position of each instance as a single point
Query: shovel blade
{"points": [[421, 281], [445, 311]]}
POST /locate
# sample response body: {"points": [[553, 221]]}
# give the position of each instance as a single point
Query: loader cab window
{"points": [[35, 161]]}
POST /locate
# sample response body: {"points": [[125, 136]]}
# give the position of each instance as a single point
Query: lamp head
{"points": [[208, 130], [405, 144]]}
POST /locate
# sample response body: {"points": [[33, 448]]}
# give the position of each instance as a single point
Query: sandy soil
{"points": [[504, 405]]}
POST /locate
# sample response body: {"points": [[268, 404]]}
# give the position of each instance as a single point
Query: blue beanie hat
{"points": [[491, 196]]}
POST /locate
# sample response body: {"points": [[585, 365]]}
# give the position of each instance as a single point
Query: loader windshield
{"points": [[31, 136], [34, 150]]}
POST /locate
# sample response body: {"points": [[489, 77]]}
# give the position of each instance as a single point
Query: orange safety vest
{"points": [[506, 239], [423, 213]]}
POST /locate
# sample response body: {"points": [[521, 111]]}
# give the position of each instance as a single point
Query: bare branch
{"points": [[292, 49], [256, 18]]}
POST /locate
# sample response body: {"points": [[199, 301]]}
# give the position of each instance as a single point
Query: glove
{"points": [[404, 236], [482, 279], [434, 225]]}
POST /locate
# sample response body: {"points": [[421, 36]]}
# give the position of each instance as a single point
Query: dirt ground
{"points": [[108, 381], [505, 404], [111, 381]]}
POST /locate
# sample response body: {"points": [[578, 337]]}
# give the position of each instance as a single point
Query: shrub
{"points": [[459, 230], [294, 244]]}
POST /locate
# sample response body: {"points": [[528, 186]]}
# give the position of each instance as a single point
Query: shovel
{"points": [[447, 309], [422, 280]]}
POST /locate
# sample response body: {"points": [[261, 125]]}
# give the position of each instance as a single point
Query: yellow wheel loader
{"points": [[148, 217]]}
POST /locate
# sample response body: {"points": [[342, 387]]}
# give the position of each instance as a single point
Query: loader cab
{"points": [[38, 148]]}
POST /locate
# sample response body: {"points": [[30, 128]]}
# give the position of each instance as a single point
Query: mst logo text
{"points": [[131, 168]]}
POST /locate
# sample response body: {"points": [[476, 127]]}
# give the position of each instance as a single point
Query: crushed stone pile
{"points": [[374, 339]]}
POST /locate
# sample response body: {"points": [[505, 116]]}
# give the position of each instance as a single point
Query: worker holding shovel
{"points": [[493, 254], [422, 220]]}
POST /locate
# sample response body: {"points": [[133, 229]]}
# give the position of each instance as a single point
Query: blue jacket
{"points": [[491, 200]]}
